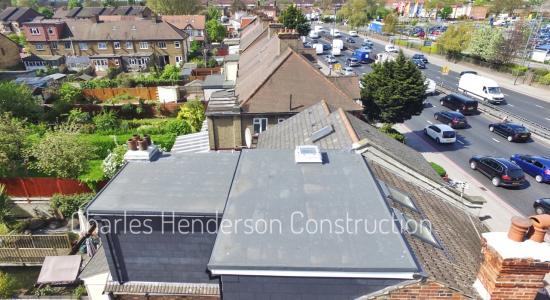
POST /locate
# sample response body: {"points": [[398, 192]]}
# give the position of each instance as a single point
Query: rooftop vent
{"points": [[321, 133], [307, 154]]}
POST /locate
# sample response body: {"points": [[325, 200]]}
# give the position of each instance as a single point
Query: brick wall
{"points": [[518, 279], [422, 290]]}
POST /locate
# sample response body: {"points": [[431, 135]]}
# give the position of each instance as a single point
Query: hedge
{"points": [[68, 205], [104, 143], [438, 169]]}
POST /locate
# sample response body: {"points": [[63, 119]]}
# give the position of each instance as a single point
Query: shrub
{"points": [[105, 121], [102, 144], [114, 161], [170, 72], [93, 175], [517, 69], [545, 79], [79, 291], [7, 216], [8, 286], [12, 142], [69, 93], [396, 135], [192, 112], [438, 169], [77, 116], [68, 205]]}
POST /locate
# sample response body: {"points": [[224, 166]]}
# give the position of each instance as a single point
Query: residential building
{"points": [[193, 25], [104, 13], [226, 4], [131, 45], [11, 18], [9, 53], [277, 78]]}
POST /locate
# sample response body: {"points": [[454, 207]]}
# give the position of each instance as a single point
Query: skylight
{"points": [[398, 196], [308, 154], [321, 133], [421, 230]]}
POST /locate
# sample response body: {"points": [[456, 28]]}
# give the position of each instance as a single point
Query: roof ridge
{"points": [[351, 132]]}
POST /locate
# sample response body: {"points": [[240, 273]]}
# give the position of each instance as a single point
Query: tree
{"points": [[394, 91], [7, 217], [213, 13], [215, 30], [170, 72], [73, 3], [69, 93], [237, 5], [45, 11], [12, 142], [175, 7], [445, 12], [17, 99], [293, 18], [8, 285], [509, 49], [390, 23], [106, 3], [192, 113], [486, 43], [359, 12], [18, 38], [455, 39], [61, 154], [507, 6], [26, 3]]}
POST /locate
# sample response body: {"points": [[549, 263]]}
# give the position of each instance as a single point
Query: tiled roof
{"points": [[96, 265], [349, 85], [251, 33], [14, 14], [85, 30], [182, 21], [89, 12], [162, 288]]}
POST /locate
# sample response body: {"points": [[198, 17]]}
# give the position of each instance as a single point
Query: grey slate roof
{"points": [[87, 30], [155, 187], [217, 81], [269, 185], [16, 14], [96, 265]]}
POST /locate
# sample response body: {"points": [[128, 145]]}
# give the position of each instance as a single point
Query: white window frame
{"points": [[129, 45], [102, 45], [39, 46], [34, 30], [259, 121], [177, 44], [161, 45], [178, 58], [116, 45], [54, 45], [143, 45], [83, 44]]}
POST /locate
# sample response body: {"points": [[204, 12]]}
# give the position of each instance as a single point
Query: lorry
{"points": [[335, 32], [384, 56], [336, 51], [362, 55], [480, 87], [318, 48]]}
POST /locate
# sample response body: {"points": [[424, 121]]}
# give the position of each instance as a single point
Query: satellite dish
{"points": [[248, 137]]}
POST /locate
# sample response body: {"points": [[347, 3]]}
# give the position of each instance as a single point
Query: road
{"points": [[477, 139]]}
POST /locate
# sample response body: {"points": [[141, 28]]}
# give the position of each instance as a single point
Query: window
{"points": [[280, 120], [39, 46], [54, 45], [83, 46], [132, 61], [260, 124], [35, 31], [421, 230], [178, 59], [68, 45], [177, 44], [162, 45], [50, 30], [143, 45], [116, 45], [102, 45], [129, 45], [397, 196]]}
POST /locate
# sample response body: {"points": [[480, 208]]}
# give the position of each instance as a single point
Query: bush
{"points": [[192, 112], [68, 205], [105, 121], [77, 116], [438, 169], [69, 93], [517, 69], [79, 291], [114, 161], [396, 135], [545, 79], [8, 286], [93, 175]]}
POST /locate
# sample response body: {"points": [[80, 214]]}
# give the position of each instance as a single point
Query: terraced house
{"points": [[130, 45]]}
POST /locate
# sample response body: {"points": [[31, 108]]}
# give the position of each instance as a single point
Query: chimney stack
{"points": [[141, 149], [514, 266], [273, 29], [288, 38]]}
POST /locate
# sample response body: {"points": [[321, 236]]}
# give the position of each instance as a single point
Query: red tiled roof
{"points": [[182, 21]]}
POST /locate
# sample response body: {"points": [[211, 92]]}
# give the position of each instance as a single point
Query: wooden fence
{"points": [[31, 249], [42, 187], [104, 94]]}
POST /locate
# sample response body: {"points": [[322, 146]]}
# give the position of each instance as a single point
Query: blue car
{"points": [[536, 166]]}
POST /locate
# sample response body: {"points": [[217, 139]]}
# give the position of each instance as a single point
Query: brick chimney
{"points": [[288, 38], [513, 267], [273, 29]]}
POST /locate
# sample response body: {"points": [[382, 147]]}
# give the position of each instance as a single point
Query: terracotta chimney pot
{"points": [[518, 229], [540, 226]]}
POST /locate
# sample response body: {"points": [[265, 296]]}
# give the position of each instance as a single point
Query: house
{"points": [[193, 25], [130, 45], [9, 53], [11, 18], [104, 13], [275, 79]]}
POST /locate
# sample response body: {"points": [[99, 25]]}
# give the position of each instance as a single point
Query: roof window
{"points": [[308, 154]]}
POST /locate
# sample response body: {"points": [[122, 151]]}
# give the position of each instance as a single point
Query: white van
{"points": [[431, 86], [314, 34], [318, 28], [318, 48], [336, 51], [353, 33], [480, 87], [337, 43], [335, 33], [384, 56]]}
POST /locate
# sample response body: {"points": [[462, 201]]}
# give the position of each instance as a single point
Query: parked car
{"points": [[347, 71], [431, 86], [460, 103], [353, 33], [451, 118], [352, 62], [536, 166], [511, 131], [501, 171], [419, 63], [390, 48], [441, 133], [542, 206], [350, 40], [468, 72], [421, 57]]}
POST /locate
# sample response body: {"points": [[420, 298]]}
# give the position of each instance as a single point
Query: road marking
{"points": [[512, 105], [461, 142], [495, 140], [539, 106], [547, 119], [429, 122]]}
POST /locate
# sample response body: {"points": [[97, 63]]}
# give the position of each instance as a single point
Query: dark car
{"points": [[421, 57], [501, 171], [542, 206], [459, 103], [512, 132], [307, 45], [350, 40], [451, 118], [536, 166], [326, 47], [468, 72], [419, 63]]}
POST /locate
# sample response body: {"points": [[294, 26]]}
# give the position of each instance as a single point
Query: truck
{"points": [[362, 55], [318, 48], [480, 87], [338, 43], [335, 32], [336, 51], [384, 56]]}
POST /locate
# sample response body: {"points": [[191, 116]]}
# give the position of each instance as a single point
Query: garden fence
{"points": [[21, 250], [104, 94]]}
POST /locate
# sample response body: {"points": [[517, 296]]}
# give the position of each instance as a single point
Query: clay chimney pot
{"points": [[518, 229], [540, 227]]}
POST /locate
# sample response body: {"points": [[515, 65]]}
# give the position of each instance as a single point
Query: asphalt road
{"points": [[477, 139]]}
